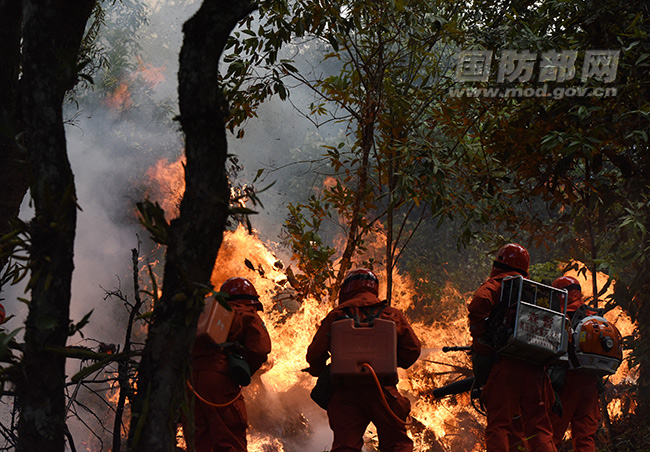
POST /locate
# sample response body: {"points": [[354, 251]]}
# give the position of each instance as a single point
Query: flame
{"points": [[151, 74], [120, 99], [168, 184], [329, 182], [282, 388], [145, 74]]}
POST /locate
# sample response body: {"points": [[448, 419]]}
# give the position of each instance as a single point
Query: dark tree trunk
{"points": [[195, 236], [52, 34], [13, 171], [636, 295], [367, 121], [354, 235]]}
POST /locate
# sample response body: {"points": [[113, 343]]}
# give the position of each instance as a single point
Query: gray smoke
{"points": [[110, 151]]}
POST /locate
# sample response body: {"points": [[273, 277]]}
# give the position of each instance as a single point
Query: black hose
{"points": [[457, 387]]}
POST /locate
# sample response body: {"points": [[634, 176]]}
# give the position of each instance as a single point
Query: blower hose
{"points": [[207, 402], [383, 396]]}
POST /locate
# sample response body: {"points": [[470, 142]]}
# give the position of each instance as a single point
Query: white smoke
{"points": [[110, 151]]}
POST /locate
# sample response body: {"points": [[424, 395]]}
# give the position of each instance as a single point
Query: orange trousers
{"points": [[517, 397], [218, 429], [581, 409], [353, 408]]}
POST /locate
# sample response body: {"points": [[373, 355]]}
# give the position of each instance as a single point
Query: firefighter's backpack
{"points": [[597, 345], [214, 321], [528, 322], [357, 344]]}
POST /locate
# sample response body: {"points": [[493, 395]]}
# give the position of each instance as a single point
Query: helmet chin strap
{"points": [[242, 297], [503, 266], [573, 287]]}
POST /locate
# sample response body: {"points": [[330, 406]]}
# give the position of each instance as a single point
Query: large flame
{"points": [[283, 388], [282, 416]]}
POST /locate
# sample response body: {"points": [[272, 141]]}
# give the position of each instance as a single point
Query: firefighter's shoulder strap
{"points": [[494, 323], [370, 313], [584, 311], [576, 317]]}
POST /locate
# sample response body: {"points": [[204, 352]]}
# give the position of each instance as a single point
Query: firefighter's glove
{"points": [[239, 369], [482, 365]]}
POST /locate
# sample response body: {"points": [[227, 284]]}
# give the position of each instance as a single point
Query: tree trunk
{"points": [[195, 236], [367, 120], [359, 196], [13, 172], [638, 294], [52, 35], [390, 217], [125, 368]]}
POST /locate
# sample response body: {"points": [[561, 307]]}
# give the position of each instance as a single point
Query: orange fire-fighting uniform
{"points": [[353, 407], [517, 394], [223, 429], [580, 399]]}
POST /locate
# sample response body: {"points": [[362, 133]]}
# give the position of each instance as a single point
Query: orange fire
{"points": [[282, 416], [283, 388], [169, 184], [147, 74], [329, 182], [152, 75], [120, 99]]}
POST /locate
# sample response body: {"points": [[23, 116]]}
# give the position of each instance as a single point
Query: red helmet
{"points": [[513, 257], [359, 280], [572, 286], [241, 289], [567, 282]]}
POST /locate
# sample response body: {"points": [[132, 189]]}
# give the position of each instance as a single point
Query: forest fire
{"points": [[416, 153], [282, 388], [121, 99]]}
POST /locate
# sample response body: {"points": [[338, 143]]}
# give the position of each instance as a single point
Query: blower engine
{"points": [[597, 345]]}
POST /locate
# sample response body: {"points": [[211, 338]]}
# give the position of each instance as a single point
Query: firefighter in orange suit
{"points": [[353, 406], [223, 428], [578, 390], [516, 394]]}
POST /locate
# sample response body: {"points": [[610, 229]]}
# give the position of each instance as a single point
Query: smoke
{"points": [[115, 132]]}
